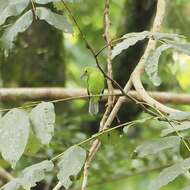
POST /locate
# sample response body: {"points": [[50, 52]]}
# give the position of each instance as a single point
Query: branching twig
{"points": [[106, 35], [157, 24], [90, 48], [136, 76], [161, 5], [151, 44]]}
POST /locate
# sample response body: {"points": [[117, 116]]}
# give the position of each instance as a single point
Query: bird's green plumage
{"points": [[95, 86]]}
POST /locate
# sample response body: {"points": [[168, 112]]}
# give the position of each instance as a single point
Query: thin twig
{"points": [[33, 9], [106, 35], [157, 22], [5, 175], [58, 186], [112, 179], [105, 131], [90, 48]]}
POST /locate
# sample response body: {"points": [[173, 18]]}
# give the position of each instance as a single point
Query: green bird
{"points": [[95, 86]]}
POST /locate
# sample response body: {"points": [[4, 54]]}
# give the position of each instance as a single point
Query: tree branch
{"points": [[33, 94], [138, 72]]}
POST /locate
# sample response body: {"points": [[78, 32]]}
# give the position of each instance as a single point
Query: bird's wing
{"points": [[103, 90], [88, 87]]}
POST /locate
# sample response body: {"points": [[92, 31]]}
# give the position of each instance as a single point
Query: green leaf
{"points": [[30, 176], [166, 36], [128, 40], [184, 48], [11, 32], [180, 116], [151, 64], [12, 185], [43, 120], [185, 125], [11, 8], [169, 174], [58, 21], [33, 145], [34, 173], [70, 165], [155, 146], [14, 130]]}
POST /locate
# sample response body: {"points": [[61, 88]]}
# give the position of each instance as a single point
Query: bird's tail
{"points": [[93, 107]]}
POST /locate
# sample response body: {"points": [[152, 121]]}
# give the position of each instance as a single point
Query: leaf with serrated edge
{"points": [[34, 173], [155, 146], [128, 40], [43, 120], [182, 47], [169, 174], [58, 21], [151, 64], [30, 176], [12, 185], [14, 130], [70, 165], [169, 36], [11, 32], [11, 8]]}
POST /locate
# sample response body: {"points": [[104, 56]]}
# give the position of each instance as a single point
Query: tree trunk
{"points": [[37, 59]]}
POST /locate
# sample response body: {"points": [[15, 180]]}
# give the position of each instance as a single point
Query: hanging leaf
{"points": [[30, 176], [11, 32], [43, 120], [182, 47], [12, 185], [185, 125], [34, 173], [151, 66], [128, 40], [58, 21], [169, 174], [11, 8], [14, 130], [166, 36], [70, 165], [155, 146]]}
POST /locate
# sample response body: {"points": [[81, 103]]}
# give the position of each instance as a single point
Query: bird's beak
{"points": [[83, 75]]}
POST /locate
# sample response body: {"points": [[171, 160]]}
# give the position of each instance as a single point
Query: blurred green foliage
{"points": [[44, 62]]}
